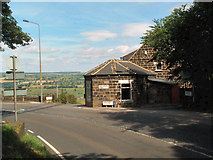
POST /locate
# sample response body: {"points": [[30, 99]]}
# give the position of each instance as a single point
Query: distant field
{"points": [[67, 82], [77, 92]]}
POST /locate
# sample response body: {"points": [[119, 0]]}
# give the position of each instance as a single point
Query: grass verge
{"points": [[15, 145]]}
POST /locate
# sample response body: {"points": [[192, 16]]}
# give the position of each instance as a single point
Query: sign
{"points": [[19, 75], [188, 93], [10, 63], [103, 86], [49, 98], [125, 81], [19, 92], [108, 103]]}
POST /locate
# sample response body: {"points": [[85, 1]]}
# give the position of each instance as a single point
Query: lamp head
{"points": [[25, 20]]}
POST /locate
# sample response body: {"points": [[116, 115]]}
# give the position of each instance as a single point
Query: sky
{"points": [[78, 36]]}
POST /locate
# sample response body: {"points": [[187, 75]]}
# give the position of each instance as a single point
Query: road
{"points": [[81, 132]]}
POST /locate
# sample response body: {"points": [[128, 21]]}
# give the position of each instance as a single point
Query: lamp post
{"points": [[39, 54]]}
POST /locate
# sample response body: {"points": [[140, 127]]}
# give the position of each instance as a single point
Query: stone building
{"points": [[124, 84], [143, 57], [118, 83]]}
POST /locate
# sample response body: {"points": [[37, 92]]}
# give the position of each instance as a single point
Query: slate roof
{"points": [[162, 81], [119, 67], [128, 56]]}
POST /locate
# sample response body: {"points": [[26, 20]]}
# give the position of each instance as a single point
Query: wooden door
{"points": [[175, 94]]}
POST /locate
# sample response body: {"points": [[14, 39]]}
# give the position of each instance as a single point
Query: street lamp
{"points": [[39, 54]]}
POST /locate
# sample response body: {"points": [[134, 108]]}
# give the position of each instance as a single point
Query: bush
{"points": [[65, 99], [71, 99]]}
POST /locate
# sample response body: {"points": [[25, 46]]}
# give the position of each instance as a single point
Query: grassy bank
{"points": [[17, 144]]}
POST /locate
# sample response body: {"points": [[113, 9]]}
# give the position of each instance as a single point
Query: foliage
{"points": [[36, 145], [71, 99], [65, 98], [12, 34], [7, 85], [184, 40], [26, 146]]}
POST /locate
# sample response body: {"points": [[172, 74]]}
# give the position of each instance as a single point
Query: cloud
{"points": [[135, 29], [35, 50], [80, 59], [127, 30], [50, 50], [99, 35], [87, 58], [61, 39], [95, 53], [188, 5]]}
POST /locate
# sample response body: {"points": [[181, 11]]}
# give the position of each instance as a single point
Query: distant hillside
{"points": [[49, 80]]}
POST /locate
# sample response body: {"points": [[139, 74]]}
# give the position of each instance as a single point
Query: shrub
{"points": [[71, 99], [65, 99]]}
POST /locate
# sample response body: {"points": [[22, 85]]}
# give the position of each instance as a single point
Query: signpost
{"points": [[14, 85], [13, 75], [19, 75], [19, 92]]}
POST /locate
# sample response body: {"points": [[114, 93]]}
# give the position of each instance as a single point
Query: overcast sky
{"points": [[80, 36]]}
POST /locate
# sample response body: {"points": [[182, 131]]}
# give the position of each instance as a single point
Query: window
{"points": [[126, 93], [158, 66]]}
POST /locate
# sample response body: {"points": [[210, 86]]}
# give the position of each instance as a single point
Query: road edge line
{"points": [[138, 133], [51, 147], [30, 131]]}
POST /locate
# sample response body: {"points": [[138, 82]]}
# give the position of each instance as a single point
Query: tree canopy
{"points": [[184, 40], [12, 34]]}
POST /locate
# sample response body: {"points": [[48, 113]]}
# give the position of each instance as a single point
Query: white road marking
{"points": [[138, 133], [30, 131], [51, 147], [35, 102]]}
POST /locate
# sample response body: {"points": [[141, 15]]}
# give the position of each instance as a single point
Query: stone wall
{"points": [[159, 93], [140, 90], [88, 91], [20, 99], [108, 88], [143, 60]]}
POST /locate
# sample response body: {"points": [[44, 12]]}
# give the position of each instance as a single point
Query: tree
{"points": [[184, 40], [12, 34]]}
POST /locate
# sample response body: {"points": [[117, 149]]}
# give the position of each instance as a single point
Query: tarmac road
{"points": [[81, 132]]}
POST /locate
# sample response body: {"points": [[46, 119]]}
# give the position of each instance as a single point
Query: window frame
{"points": [[130, 89], [156, 66]]}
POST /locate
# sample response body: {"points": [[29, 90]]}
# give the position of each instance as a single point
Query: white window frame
{"points": [[125, 82], [156, 66]]}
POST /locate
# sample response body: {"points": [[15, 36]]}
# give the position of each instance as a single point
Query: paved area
{"points": [[151, 132]]}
